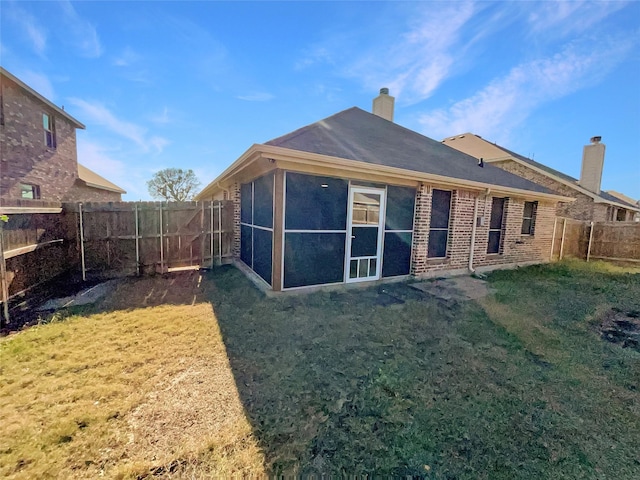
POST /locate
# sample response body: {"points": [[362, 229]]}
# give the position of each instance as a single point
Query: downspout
{"points": [[590, 240], [473, 233], [224, 190]]}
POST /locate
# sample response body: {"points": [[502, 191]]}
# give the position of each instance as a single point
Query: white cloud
{"points": [[412, 60], [162, 118], [33, 31], [507, 101], [99, 114], [131, 176], [80, 32], [39, 82], [314, 55], [256, 97], [567, 17], [126, 58], [97, 158]]}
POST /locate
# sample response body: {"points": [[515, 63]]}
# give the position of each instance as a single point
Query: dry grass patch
{"points": [[124, 393]]}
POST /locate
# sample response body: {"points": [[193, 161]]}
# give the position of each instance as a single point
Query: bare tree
{"points": [[173, 184]]}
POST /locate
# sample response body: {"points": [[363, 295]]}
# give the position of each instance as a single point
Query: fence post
{"points": [[161, 243], [553, 238], [84, 272], [220, 231], [590, 239], [3, 273], [202, 235], [564, 229], [137, 241], [211, 229]]}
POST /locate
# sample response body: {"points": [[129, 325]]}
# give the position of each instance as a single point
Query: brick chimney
{"points": [[592, 164], [383, 105]]}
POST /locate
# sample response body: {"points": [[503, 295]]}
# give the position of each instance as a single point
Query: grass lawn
{"points": [[189, 377]]}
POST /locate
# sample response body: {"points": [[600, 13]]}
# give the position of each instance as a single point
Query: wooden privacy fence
{"points": [[614, 241], [34, 248], [145, 237], [115, 238]]}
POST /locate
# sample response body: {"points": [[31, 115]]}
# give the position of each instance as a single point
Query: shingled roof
{"points": [[354, 134], [567, 178]]}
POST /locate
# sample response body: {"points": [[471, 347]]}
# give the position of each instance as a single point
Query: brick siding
{"points": [[515, 248], [25, 158], [583, 208], [83, 193]]}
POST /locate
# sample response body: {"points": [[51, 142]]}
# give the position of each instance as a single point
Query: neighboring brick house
{"points": [[38, 150], [590, 202], [356, 197]]}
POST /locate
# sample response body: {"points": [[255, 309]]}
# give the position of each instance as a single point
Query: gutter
{"points": [[473, 232], [257, 151]]}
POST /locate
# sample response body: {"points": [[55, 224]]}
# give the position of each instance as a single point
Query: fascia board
{"points": [[248, 157], [103, 187], [279, 153], [595, 197]]}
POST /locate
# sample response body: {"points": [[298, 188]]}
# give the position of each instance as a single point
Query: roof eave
{"points": [[248, 157], [104, 187], [23, 85], [596, 198], [257, 151]]}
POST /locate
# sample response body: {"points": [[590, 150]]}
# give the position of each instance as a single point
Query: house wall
{"points": [[515, 248], [25, 158], [583, 208], [83, 193]]}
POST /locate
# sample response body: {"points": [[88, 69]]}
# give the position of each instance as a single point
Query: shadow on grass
{"points": [[388, 381]]}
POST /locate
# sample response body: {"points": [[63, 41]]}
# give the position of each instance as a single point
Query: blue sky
{"points": [[194, 84]]}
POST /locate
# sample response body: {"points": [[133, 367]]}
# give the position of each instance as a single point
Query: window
{"points": [[49, 130], [27, 190], [621, 215], [495, 225], [439, 228], [528, 218], [256, 225]]}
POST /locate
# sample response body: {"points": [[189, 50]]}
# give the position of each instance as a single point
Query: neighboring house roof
{"points": [[623, 197], [355, 140], [492, 152], [59, 110], [92, 179]]}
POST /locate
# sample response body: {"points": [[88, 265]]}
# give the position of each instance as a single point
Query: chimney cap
{"points": [[384, 91], [596, 139]]}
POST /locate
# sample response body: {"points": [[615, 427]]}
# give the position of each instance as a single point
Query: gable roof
{"points": [[492, 152], [354, 134], [50, 104], [92, 179], [358, 141]]}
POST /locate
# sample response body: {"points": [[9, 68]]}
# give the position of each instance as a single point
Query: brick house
{"points": [[590, 202], [356, 197], [38, 154]]}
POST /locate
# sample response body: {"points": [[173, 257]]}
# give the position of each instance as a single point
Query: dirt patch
{"points": [[86, 296], [455, 289], [622, 328]]}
